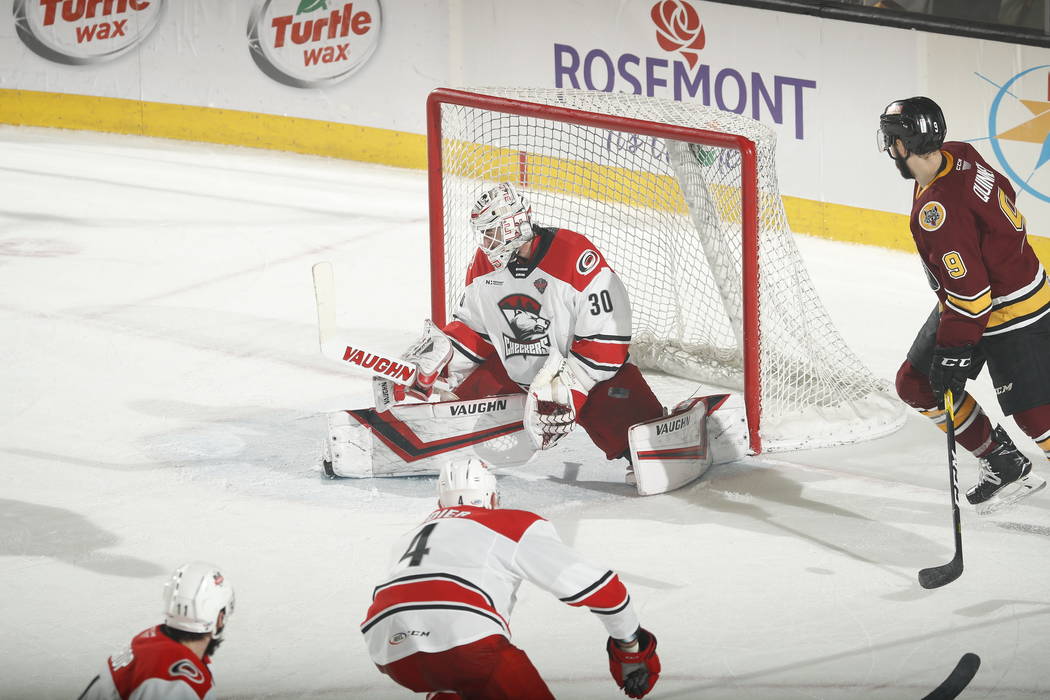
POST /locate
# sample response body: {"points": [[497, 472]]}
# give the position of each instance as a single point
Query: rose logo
{"points": [[678, 28]]}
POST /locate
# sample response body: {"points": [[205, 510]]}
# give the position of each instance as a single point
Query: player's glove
{"points": [[550, 408], [636, 667], [949, 370]]}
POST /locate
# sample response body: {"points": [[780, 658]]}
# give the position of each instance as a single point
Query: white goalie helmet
{"points": [[194, 598], [503, 218], [467, 482]]}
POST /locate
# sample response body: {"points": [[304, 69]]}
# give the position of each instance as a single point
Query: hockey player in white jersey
{"points": [[543, 313], [170, 661], [439, 622]]}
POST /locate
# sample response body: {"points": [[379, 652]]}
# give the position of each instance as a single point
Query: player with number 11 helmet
{"points": [[170, 661]]}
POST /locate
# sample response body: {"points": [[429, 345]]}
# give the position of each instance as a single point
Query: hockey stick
{"points": [[337, 346], [937, 576], [324, 296], [958, 679]]}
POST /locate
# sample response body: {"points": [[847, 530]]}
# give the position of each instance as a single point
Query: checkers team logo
{"points": [[79, 32], [313, 43], [1019, 129], [678, 28], [528, 329]]}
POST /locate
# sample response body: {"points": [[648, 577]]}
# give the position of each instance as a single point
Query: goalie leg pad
{"points": [[672, 451], [414, 439]]}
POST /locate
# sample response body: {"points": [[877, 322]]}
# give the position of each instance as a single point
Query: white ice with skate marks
{"points": [[164, 401]]}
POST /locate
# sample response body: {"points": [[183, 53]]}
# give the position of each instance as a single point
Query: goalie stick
{"points": [[341, 348], [937, 576], [958, 679]]}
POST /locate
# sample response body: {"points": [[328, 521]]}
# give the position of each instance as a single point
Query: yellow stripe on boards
{"points": [[226, 126], [838, 222]]}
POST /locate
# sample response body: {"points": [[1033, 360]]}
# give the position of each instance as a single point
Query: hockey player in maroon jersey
{"points": [[170, 661], [542, 313], [439, 622], [994, 300]]}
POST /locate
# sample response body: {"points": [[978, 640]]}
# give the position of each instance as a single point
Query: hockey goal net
{"points": [[683, 201]]}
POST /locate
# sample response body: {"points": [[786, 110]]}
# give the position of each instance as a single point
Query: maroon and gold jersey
{"points": [[974, 246]]}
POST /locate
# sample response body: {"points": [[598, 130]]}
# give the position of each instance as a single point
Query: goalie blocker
{"points": [[416, 439]]}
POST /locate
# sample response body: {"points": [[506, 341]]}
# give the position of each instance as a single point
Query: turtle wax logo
{"points": [[678, 28], [77, 32], [313, 43]]}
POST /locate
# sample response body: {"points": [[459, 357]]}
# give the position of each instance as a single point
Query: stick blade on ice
{"points": [[937, 576], [958, 679]]}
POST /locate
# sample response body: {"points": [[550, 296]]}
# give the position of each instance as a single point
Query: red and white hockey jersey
{"points": [[565, 296], [456, 576], [153, 667]]}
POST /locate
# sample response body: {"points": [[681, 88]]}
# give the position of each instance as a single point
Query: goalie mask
{"points": [[467, 483], [918, 122], [502, 217], [198, 598]]}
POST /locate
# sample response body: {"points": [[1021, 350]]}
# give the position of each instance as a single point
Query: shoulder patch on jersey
{"points": [[932, 216], [587, 261], [184, 668]]}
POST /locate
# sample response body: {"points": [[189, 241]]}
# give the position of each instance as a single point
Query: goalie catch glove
{"points": [[634, 664], [550, 409]]}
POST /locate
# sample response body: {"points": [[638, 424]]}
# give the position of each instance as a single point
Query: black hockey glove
{"points": [[949, 371]]}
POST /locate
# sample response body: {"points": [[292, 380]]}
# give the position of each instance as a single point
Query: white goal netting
{"points": [[668, 214]]}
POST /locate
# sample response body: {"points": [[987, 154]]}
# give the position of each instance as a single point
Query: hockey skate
{"points": [[1004, 477]]}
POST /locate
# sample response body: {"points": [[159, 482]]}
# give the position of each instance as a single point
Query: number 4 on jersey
{"points": [[417, 549]]}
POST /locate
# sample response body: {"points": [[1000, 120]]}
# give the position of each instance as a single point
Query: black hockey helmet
{"points": [[917, 121]]}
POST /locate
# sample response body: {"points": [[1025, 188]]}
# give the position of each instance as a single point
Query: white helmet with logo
{"points": [[467, 482], [195, 597], [503, 218]]}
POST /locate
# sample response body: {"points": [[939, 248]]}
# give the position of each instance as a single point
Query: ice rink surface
{"points": [[163, 401]]}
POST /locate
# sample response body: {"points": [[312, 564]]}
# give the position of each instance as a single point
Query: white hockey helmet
{"points": [[467, 482], [195, 597], [503, 218]]}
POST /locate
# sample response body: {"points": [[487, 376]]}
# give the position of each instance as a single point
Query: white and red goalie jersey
{"points": [[565, 296], [153, 667], [456, 577]]}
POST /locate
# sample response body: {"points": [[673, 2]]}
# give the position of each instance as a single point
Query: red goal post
{"points": [[549, 142]]}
